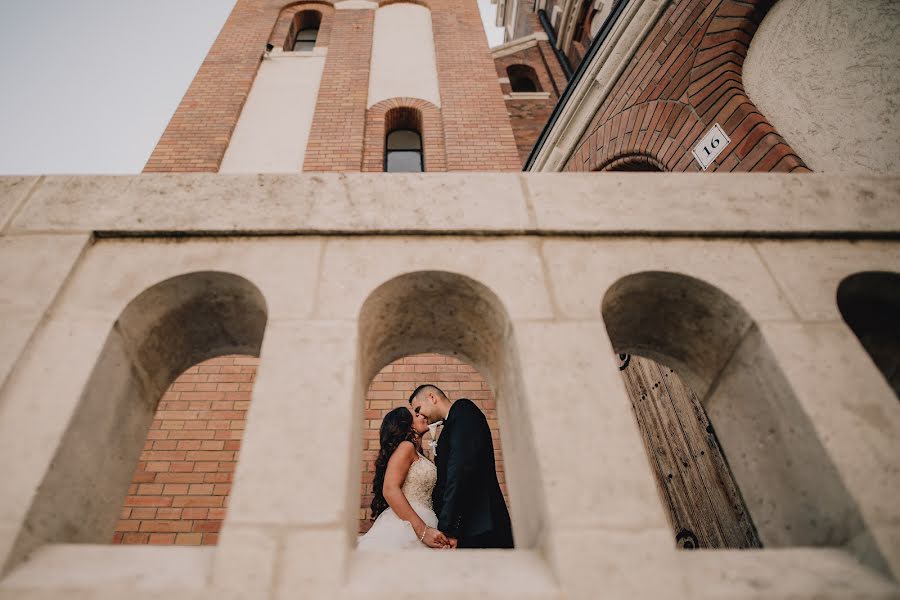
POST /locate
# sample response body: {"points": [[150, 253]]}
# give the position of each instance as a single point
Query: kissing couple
{"points": [[454, 502]]}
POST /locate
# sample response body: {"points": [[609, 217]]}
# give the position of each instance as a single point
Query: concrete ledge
{"points": [[484, 203], [82, 566], [461, 573]]}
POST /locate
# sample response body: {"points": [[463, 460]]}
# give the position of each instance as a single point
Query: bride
{"points": [[404, 479]]}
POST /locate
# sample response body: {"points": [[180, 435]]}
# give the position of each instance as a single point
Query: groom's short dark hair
{"points": [[427, 387]]}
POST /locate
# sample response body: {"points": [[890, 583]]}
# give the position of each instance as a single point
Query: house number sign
{"points": [[710, 146]]}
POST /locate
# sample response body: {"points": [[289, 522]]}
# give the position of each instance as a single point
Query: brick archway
{"points": [[428, 120], [687, 75], [283, 32]]}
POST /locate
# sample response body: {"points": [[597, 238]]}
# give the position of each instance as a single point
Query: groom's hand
{"points": [[453, 542], [435, 539]]}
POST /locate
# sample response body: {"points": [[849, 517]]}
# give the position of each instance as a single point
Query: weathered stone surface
{"points": [[301, 426], [600, 476], [63, 567], [353, 268], [245, 562], [617, 204], [32, 270], [788, 573], [684, 203], [274, 203], [583, 271], [13, 191], [454, 574], [117, 271], [809, 272], [314, 563]]}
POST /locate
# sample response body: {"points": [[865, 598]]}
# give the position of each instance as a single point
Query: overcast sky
{"points": [[88, 86]]}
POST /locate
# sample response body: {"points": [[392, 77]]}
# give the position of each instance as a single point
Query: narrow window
{"points": [[306, 25], [306, 40], [403, 152], [523, 78]]}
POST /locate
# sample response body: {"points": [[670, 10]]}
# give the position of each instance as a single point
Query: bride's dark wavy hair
{"points": [[396, 427]]}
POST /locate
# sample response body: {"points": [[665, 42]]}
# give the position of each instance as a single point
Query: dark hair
{"points": [[424, 387], [396, 428]]}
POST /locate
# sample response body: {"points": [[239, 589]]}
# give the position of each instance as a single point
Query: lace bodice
{"points": [[420, 480]]}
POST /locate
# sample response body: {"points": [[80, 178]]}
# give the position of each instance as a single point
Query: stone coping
{"points": [[661, 204]]}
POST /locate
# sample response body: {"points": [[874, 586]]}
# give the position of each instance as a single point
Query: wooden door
{"points": [[704, 504]]}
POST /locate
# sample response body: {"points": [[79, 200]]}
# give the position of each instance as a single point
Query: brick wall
{"points": [[686, 76], [391, 388], [198, 133], [284, 32], [338, 126], [528, 115], [476, 128], [179, 492]]}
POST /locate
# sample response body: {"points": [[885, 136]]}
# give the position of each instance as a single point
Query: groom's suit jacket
{"points": [[467, 497]]}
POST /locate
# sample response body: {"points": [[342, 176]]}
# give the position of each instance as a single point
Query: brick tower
{"points": [[338, 78]]}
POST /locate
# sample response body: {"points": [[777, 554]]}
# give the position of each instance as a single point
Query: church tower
{"points": [[337, 80]]}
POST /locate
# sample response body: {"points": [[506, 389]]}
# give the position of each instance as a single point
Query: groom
{"points": [[467, 497]]}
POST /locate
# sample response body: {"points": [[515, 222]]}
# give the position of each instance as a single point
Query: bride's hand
{"points": [[435, 539]]}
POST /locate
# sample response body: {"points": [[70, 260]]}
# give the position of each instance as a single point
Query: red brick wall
{"points": [[477, 130], [338, 126], [198, 134], [391, 388], [686, 76], [284, 33], [179, 493], [528, 116]]}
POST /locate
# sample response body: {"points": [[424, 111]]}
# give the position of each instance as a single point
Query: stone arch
{"points": [[409, 113], [291, 18], [451, 314], [869, 302], [164, 330], [790, 485]]}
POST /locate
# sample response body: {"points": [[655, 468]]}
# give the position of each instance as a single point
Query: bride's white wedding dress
{"points": [[389, 532]]}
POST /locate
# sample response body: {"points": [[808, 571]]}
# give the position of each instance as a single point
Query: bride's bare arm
{"points": [[394, 476]]}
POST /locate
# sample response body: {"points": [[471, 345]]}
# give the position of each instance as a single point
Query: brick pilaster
{"points": [[477, 131], [200, 129], [338, 128]]}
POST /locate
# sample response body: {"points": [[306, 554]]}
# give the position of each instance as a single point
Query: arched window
{"points": [[306, 25], [403, 152], [523, 78], [870, 304]]}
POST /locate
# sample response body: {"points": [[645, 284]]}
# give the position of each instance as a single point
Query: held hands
{"points": [[433, 538]]}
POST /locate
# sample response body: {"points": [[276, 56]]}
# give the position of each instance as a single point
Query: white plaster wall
{"points": [[272, 132], [826, 73], [403, 60]]}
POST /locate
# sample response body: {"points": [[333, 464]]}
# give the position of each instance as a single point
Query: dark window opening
{"points": [[403, 152], [305, 31], [870, 305], [523, 78]]}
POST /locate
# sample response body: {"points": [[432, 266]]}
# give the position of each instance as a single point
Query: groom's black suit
{"points": [[467, 497]]}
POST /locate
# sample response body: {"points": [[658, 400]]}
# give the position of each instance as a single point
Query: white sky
{"points": [[88, 86]]}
